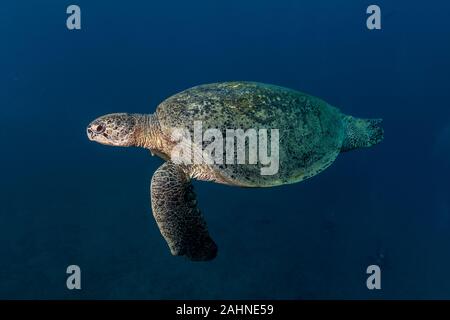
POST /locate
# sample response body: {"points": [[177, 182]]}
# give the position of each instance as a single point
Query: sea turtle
{"points": [[311, 133]]}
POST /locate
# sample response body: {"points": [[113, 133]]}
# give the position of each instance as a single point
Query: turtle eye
{"points": [[100, 128]]}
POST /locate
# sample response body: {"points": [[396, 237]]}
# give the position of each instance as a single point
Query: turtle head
{"points": [[116, 129]]}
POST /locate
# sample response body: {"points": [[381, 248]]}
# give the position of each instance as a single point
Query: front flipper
{"points": [[176, 213]]}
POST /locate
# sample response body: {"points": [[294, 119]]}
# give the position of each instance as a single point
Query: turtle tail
{"points": [[361, 133]]}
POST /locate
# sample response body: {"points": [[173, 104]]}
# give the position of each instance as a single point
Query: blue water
{"points": [[66, 200]]}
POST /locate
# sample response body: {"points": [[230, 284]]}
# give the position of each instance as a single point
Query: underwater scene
{"points": [[355, 209]]}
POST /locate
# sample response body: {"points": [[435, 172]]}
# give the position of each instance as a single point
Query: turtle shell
{"points": [[310, 130]]}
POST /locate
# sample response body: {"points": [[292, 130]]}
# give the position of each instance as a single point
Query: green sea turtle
{"points": [[311, 133]]}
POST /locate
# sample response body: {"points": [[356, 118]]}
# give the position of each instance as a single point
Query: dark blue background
{"points": [[65, 200]]}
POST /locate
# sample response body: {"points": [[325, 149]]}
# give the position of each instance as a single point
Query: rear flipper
{"points": [[361, 133]]}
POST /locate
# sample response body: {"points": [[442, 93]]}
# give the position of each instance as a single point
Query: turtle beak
{"points": [[90, 133]]}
